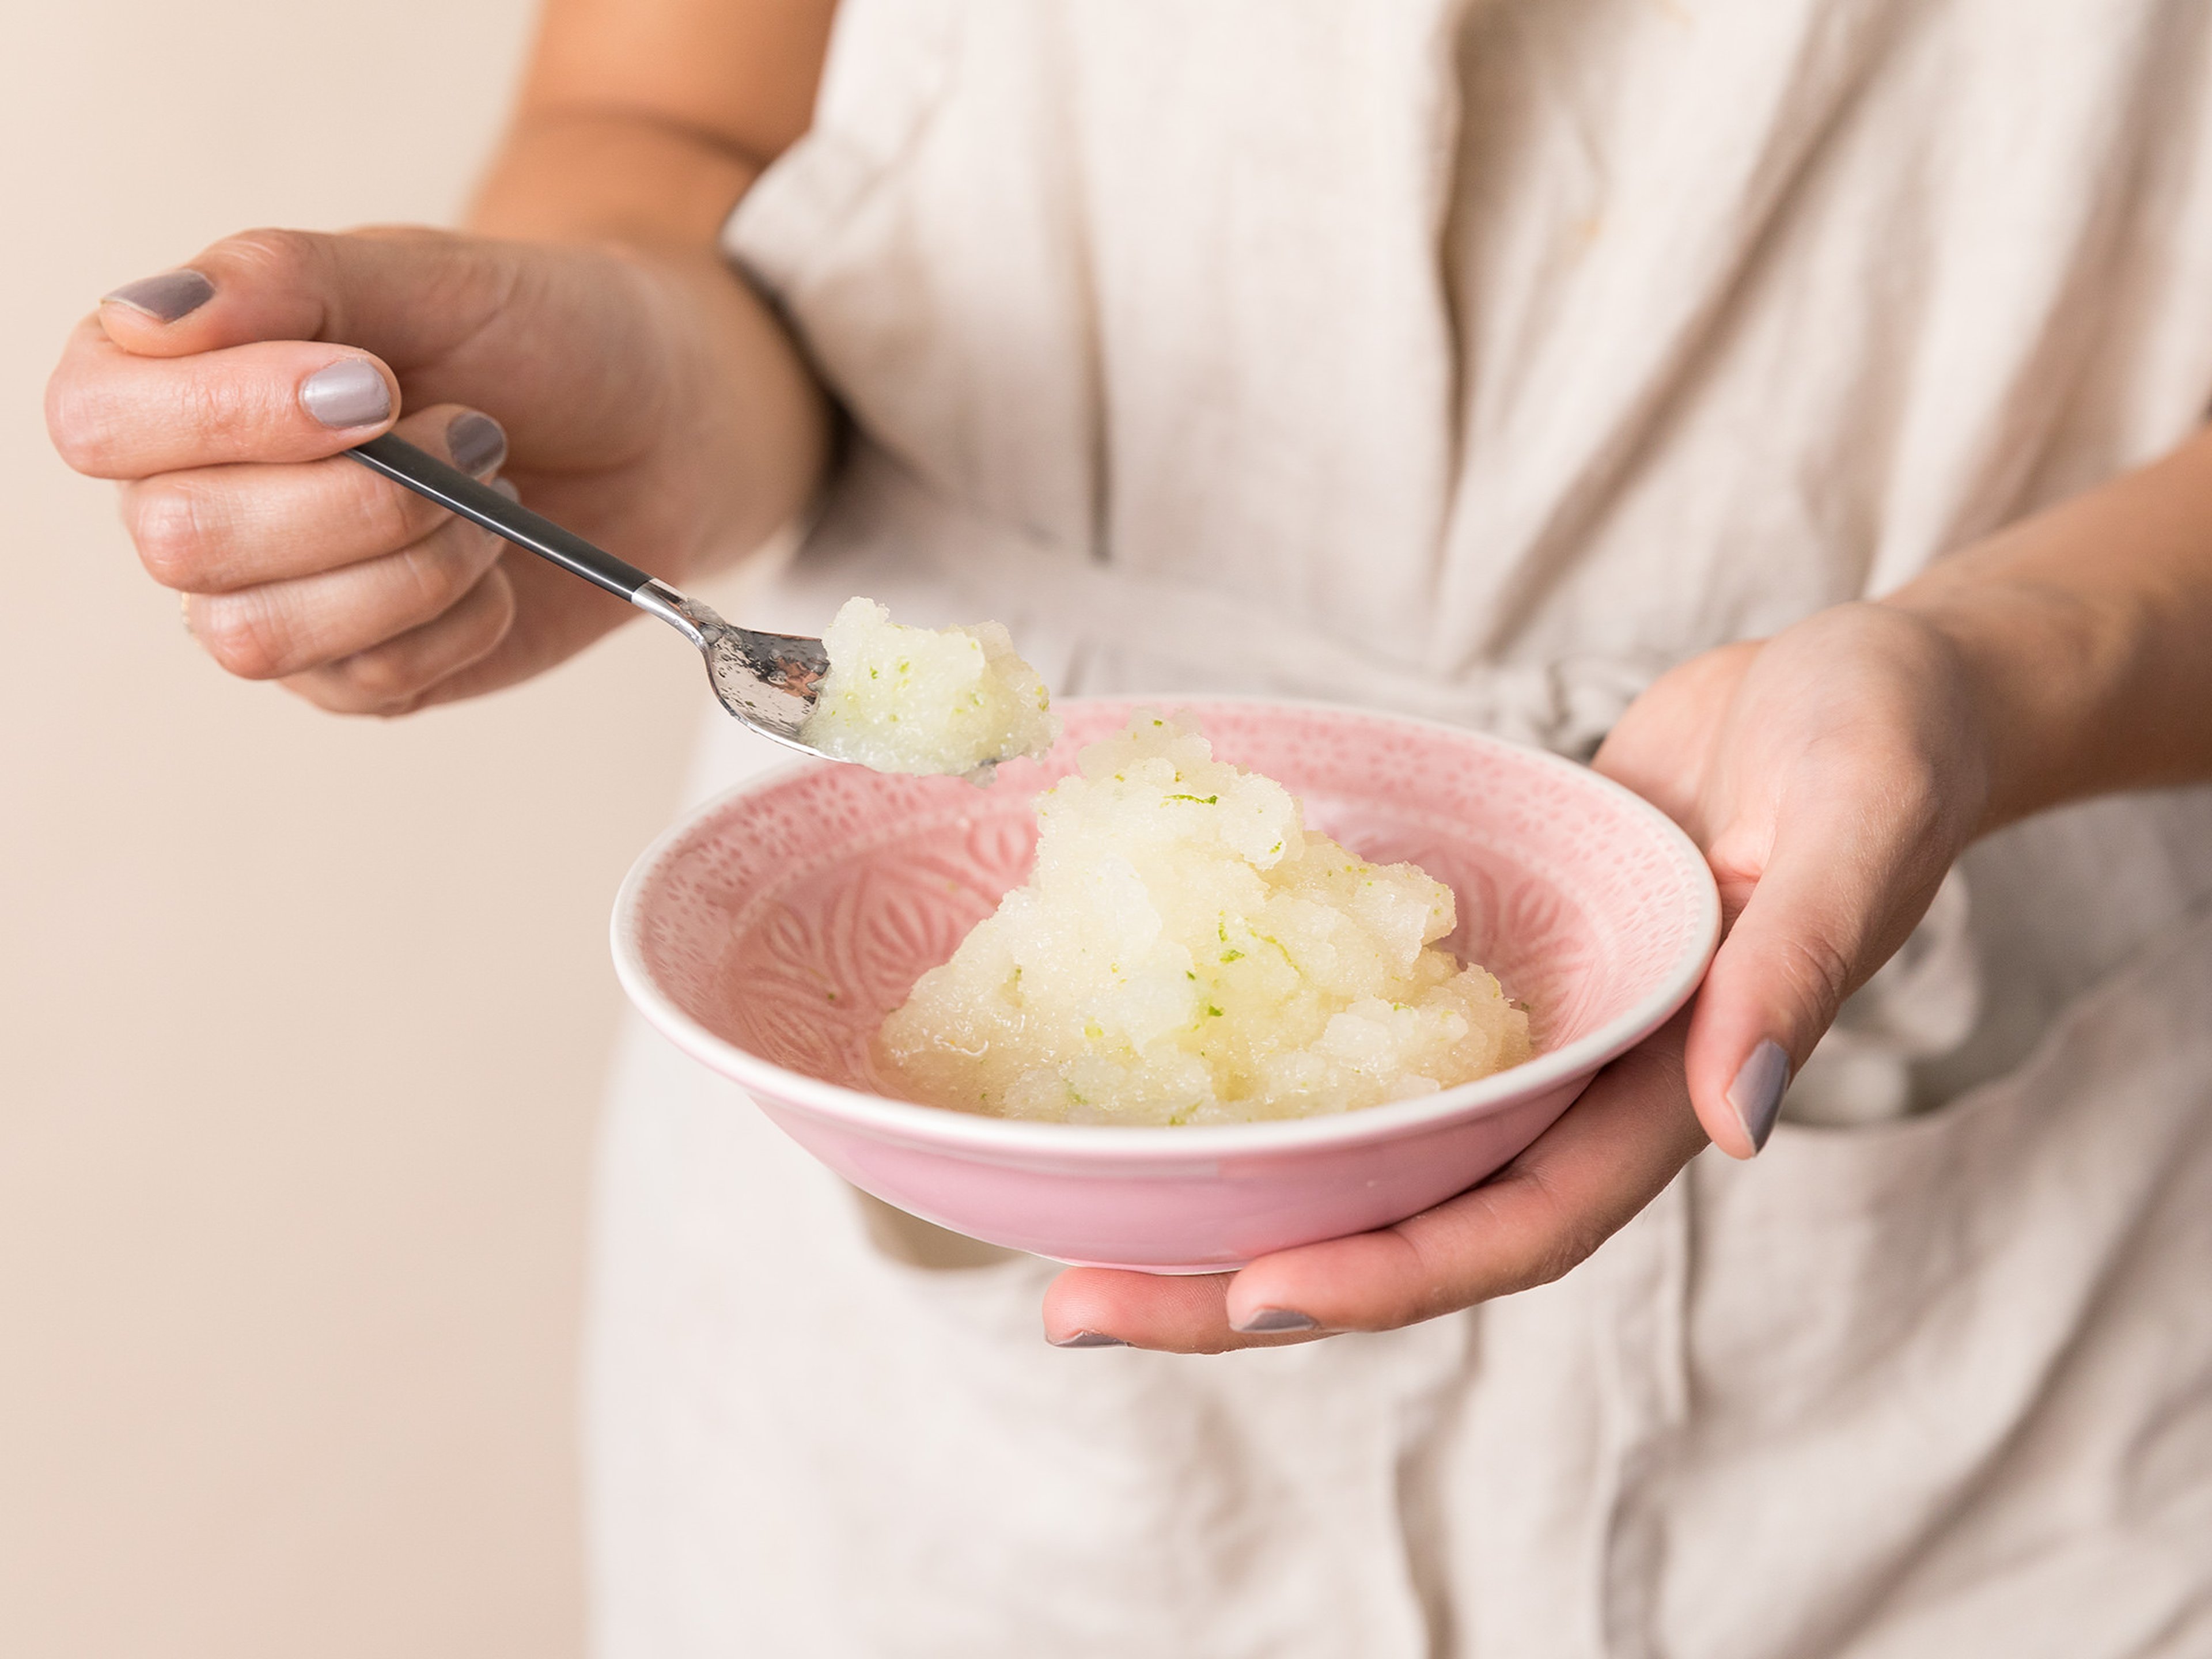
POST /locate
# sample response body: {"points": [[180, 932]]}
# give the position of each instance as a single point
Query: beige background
{"points": [[301, 1020]]}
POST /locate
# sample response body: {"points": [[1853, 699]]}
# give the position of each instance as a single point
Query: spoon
{"points": [[769, 681]]}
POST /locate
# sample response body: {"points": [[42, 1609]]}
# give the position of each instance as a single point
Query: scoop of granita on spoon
{"points": [[902, 699]]}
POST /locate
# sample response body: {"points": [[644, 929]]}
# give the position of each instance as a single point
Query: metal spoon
{"points": [[769, 681]]}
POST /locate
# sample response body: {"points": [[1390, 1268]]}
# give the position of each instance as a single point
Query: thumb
{"points": [[1835, 897], [410, 296]]}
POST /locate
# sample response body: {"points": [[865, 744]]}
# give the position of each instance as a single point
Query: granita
{"points": [[1187, 951], [904, 699]]}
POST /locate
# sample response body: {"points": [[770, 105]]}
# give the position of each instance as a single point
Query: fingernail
{"points": [[1265, 1321], [506, 487], [1756, 1095], [172, 295], [1091, 1339], [349, 393], [477, 442]]}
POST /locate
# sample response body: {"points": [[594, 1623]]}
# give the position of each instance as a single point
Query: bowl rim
{"points": [[911, 1123]]}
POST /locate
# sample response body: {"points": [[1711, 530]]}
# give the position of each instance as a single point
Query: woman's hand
{"points": [[649, 403], [1831, 775], [599, 355]]}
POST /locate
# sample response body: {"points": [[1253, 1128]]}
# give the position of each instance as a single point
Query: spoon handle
{"points": [[453, 490]]}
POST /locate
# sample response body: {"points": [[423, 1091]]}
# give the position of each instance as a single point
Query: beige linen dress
{"points": [[1531, 346]]}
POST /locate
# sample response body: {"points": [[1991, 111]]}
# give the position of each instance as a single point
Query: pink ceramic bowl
{"points": [[767, 935]]}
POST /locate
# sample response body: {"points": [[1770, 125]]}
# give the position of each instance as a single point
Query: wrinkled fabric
{"points": [[1483, 360]]}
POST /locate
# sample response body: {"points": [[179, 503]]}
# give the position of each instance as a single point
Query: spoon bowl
{"points": [[769, 681]]}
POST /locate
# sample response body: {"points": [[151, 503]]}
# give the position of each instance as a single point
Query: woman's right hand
{"points": [[650, 403]]}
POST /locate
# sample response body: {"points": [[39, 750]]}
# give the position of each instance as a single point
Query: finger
{"points": [[1843, 879], [555, 616], [407, 294], [277, 629], [115, 416], [1097, 1307], [1605, 1157], [449, 314], [216, 529], [1108, 1307], [401, 674]]}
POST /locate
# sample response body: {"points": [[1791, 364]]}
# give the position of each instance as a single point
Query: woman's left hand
{"points": [[1831, 775]]}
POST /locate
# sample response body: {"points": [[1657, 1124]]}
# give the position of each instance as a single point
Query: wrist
{"points": [[757, 417], [2036, 666]]}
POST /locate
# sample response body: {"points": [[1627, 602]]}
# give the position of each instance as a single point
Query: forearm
{"points": [[578, 175], [2087, 634]]}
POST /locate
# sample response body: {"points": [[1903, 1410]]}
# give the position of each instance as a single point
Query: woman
{"points": [[1799, 397]]}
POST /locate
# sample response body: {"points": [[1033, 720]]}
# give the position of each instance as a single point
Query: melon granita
{"points": [[1185, 951], [904, 699]]}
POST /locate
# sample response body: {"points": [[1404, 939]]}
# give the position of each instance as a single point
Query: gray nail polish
{"points": [[1091, 1339], [349, 393], [172, 295], [477, 442], [1756, 1095], [1268, 1320]]}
